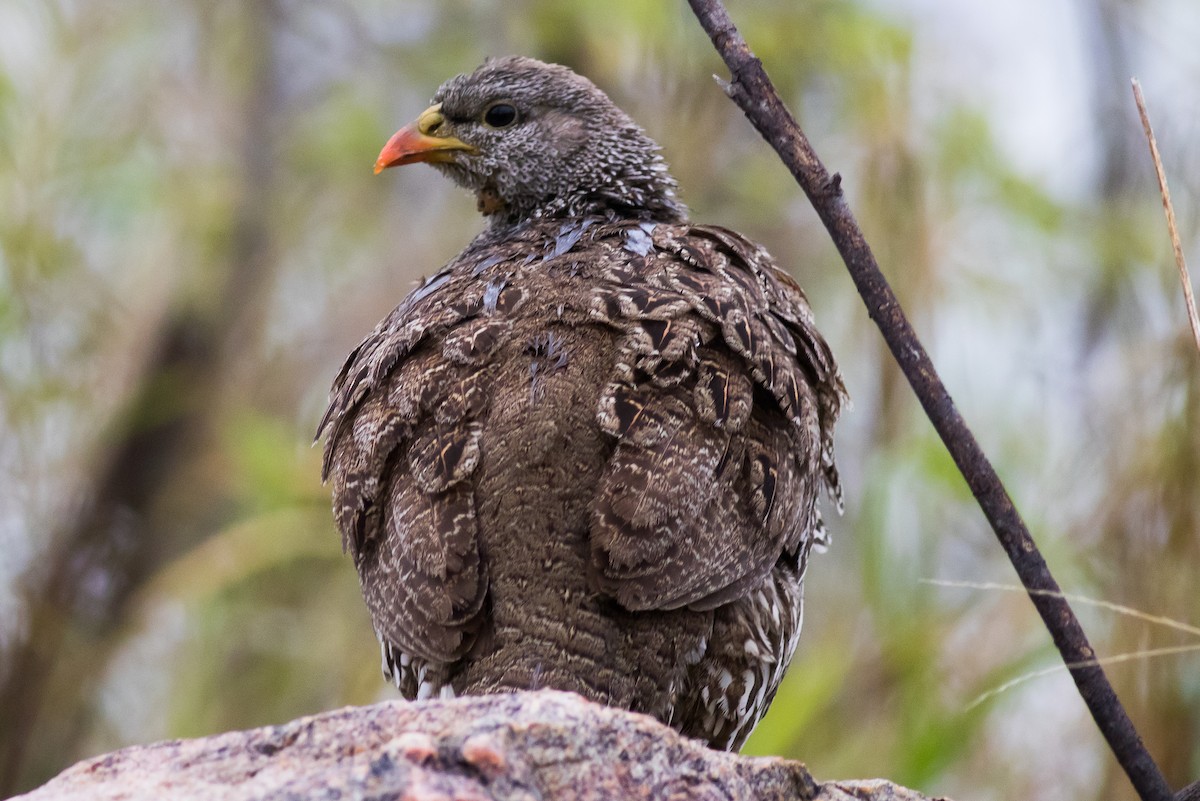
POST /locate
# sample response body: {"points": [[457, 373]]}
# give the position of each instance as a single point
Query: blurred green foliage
{"points": [[191, 240]]}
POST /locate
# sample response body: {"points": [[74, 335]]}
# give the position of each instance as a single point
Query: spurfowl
{"points": [[586, 453]]}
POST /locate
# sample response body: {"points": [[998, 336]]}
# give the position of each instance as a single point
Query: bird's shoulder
{"points": [[622, 273]]}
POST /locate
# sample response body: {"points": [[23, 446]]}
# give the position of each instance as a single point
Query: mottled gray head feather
{"points": [[570, 152]]}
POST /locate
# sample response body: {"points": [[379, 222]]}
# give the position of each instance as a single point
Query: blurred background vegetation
{"points": [[191, 240]]}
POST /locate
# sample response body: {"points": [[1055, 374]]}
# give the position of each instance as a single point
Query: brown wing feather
{"points": [[404, 429], [715, 478]]}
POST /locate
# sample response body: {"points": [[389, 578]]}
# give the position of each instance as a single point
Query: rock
{"points": [[533, 746]]}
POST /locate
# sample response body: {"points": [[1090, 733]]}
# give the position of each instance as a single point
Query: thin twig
{"points": [[1120, 609], [1169, 210], [1171, 650], [753, 92]]}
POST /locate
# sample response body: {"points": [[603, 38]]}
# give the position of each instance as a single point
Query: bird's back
{"points": [[586, 456]]}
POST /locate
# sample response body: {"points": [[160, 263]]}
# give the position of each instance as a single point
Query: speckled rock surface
{"points": [[535, 746]]}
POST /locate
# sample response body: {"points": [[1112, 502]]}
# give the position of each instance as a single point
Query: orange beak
{"points": [[423, 140]]}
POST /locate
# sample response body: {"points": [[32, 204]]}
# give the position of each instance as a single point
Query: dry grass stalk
{"points": [[1169, 210]]}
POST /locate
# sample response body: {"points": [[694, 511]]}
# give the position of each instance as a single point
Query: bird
{"points": [[586, 454]]}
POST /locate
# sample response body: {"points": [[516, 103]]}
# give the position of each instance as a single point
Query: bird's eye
{"points": [[500, 115]]}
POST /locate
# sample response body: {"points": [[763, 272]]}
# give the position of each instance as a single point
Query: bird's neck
{"points": [[629, 181], [651, 199]]}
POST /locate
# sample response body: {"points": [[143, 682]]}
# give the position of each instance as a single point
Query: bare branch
{"points": [[753, 92]]}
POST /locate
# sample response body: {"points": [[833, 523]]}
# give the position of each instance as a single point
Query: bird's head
{"points": [[537, 140]]}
